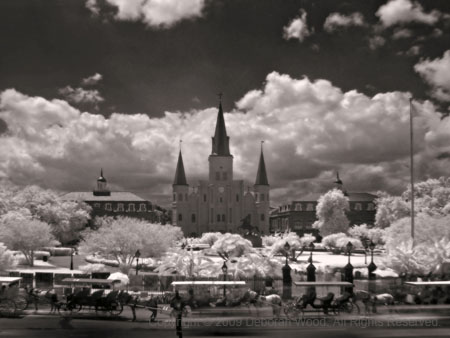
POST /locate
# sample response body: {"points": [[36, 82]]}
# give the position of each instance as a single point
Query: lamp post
{"points": [[137, 255], [287, 247], [311, 269], [371, 268], [287, 279], [71, 258], [348, 269], [349, 248], [365, 243], [225, 272]]}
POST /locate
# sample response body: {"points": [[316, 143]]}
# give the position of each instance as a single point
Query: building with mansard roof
{"points": [[299, 215], [105, 202], [220, 203]]}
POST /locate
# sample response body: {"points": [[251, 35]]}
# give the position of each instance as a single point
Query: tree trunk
{"points": [[32, 258]]}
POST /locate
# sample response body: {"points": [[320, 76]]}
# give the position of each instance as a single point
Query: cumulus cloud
{"points": [[92, 80], [405, 11], [154, 13], [335, 21], [437, 74], [310, 128], [80, 95], [297, 28]]}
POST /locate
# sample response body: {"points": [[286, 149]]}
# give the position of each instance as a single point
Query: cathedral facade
{"points": [[220, 203]]}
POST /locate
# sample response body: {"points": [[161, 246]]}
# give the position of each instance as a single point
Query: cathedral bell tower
{"points": [[261, 189], [102, 186], [180, 203], [220, 160]]}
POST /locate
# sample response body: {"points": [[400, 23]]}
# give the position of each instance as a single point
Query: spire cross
{"points": [[181, 141], [262, 142]]}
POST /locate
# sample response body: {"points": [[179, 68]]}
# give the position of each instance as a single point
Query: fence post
{"points": [[287, 282]]}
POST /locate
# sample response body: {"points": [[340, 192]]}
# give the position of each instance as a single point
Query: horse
{"points": [[370, 301], [50, 296], [274, 301]]}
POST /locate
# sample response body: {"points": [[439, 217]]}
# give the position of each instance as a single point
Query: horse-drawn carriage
{"points": [[9, 295], [326, 297], [197, 294], [85, 293]]}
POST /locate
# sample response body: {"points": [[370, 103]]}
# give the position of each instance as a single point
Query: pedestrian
{"points": [[177, 306], [153, 305]]}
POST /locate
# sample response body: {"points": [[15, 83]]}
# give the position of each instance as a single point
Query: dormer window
{"points": [[370, 207], [358, 206]]}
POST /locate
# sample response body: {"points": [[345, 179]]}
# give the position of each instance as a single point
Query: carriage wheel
{"points": [[21, 303], [291, 311], [65, 309], [115, 308], [7, 308]]}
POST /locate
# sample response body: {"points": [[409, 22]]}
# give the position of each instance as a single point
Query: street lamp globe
{"points": [[311, 246], [349, 247], [287, 247], [371, 246], [224, 268]]}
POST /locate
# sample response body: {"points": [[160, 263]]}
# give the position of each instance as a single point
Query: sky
{"points": [[115, 84]]}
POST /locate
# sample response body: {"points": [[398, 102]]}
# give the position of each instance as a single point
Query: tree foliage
{"points": [[365, 233], [25, 234], [331, 217], [432, 197], [122, 237], [67, 218], [232, 245], [430, 250], [7, 260]]}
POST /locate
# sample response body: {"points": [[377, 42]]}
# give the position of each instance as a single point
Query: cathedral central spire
{"points": [[220, 141], [180, 176], [261, 176]]}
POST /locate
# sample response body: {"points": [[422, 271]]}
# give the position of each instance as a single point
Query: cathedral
{"points": [[220, 204]]}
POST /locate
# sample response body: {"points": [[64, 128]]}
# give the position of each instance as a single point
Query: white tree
{"points": [[6, 258], [188, 263], [210, 238], [364, 233], [330, 212], [121, 238], [232, 245], [25, 234]]}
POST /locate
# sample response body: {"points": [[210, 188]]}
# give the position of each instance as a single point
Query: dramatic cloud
{"points": [[80, 95], [92, 80], [310, 128], [437, 74], [336, 20], [404, 11], [154, 13], [297, 28]]}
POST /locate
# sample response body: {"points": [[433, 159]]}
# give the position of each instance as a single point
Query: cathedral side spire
{"points": [[180, 176], [220, 141], [261, 176]]}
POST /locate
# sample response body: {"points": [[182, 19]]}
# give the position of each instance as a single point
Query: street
{"points": [[411, 325]]}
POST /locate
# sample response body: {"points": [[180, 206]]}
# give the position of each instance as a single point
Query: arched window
{"points": [[193, 218], [174, 197], [142, 207], [223, 218], [310, 207], [131, 207], [120, 207], [358, 206], [217, 176], [108, 207], [180, 197], [204, 197], [298, 207], [263, 217], [218, 218], [224, 175], [180, 217], [262, 197], [370, 207], [237, 197]]}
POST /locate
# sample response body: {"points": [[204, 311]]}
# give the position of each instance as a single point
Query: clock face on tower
{"points": [[221, 190]]}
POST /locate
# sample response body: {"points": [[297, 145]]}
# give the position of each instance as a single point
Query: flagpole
{"points": [[411, 166]]}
